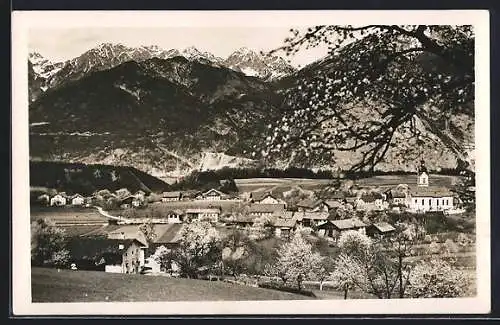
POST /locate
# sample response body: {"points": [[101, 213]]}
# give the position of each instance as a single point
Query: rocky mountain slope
{"points": [[162, 114], [46, 74], [167, 115]]}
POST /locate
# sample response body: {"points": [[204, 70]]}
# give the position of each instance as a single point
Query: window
{"points": [[430, 200], [416, 201], [437, 202], [423, 202], [446, 202]]}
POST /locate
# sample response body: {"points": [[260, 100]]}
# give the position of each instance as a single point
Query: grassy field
{"points": [[68, 215], [48, 285]]}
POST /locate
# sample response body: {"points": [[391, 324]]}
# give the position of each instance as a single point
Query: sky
{"points": [[58, 44]]}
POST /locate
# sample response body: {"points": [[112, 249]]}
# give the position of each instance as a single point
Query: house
{"points": [[109, 255], [210, 214], [192, 195], [259, 210], [265, 198], [334, 228], [58, 200], [311, 205], [212, 195], [130, 201], [167, 235], [396, 197], [175, 216], [171, 196], [283, 227], [123, 192], [333, 204], [379, 229], [244, 221], [371, 201], [77, 199], [310, 219], [43, 199]]}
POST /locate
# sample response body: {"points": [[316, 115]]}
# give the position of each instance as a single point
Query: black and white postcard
{"points": [[250, 162]]}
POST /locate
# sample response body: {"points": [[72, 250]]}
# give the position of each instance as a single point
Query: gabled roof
{"points": [[333, 203], [312, 215], [265, 208], [169, 234], [309, 203], [430, 191], [285, 223], [284, 214], [203, 210], [371, 197], [213, 190], [259, 196], [95, 247], [171, 194], [383, 227], [347, 223]]}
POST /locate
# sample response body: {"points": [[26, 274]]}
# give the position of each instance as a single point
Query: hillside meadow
{"points": [[50, 285]]}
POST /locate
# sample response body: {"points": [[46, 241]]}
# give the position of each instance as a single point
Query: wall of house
{"points": [[113, 268], [133, 259], [268, 200], [431, 203]]}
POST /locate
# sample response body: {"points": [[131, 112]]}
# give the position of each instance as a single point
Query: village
{"points": [[114, 223]]}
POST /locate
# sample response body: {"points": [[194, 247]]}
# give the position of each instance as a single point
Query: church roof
{"points": [[430, 191]]}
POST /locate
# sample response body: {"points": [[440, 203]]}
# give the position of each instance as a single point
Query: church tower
{"points": [[422, 176]]}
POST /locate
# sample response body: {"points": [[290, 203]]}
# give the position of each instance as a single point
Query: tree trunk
{"points": [[400, 276], [345, 292], [321, 286]]}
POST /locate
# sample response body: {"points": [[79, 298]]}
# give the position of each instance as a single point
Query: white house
{"points": [[77, 199], [264, 198], [171, 196], [212, 195], [58, 200], [210, 214]]}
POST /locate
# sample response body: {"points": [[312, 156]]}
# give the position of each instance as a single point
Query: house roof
{"points": [[265, 208], [171, 194], [312, 215], [259, 196], [371, 197], [309, 203], [284, 214], [430, 191], [333, 203], [337, 196], [203, 210], [213, 190], [348, 223], [285, 223], [128, 231], [95, 247], [169, 234], [383, 227]]}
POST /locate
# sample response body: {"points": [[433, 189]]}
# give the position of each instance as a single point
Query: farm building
{"points": [[310, 219], [310, 205], [43, 199], [58, 200], [334, 228], [259, 210], [283, 227], [211, 214], [212, 195], [371, 201], [171, 196], [265, 198], [167, 235], [105, 254], [379, 229]]}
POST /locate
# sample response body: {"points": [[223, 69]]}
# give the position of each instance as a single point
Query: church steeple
{"points": [[422, 176]]}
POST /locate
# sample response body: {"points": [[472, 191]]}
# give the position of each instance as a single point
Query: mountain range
{"points": [[168, 112], [105, 56]]}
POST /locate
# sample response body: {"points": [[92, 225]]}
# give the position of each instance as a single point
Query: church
{"points": [[424, 198]]}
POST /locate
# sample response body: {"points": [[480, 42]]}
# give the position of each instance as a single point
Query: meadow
{"points": [[50, 285]]}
